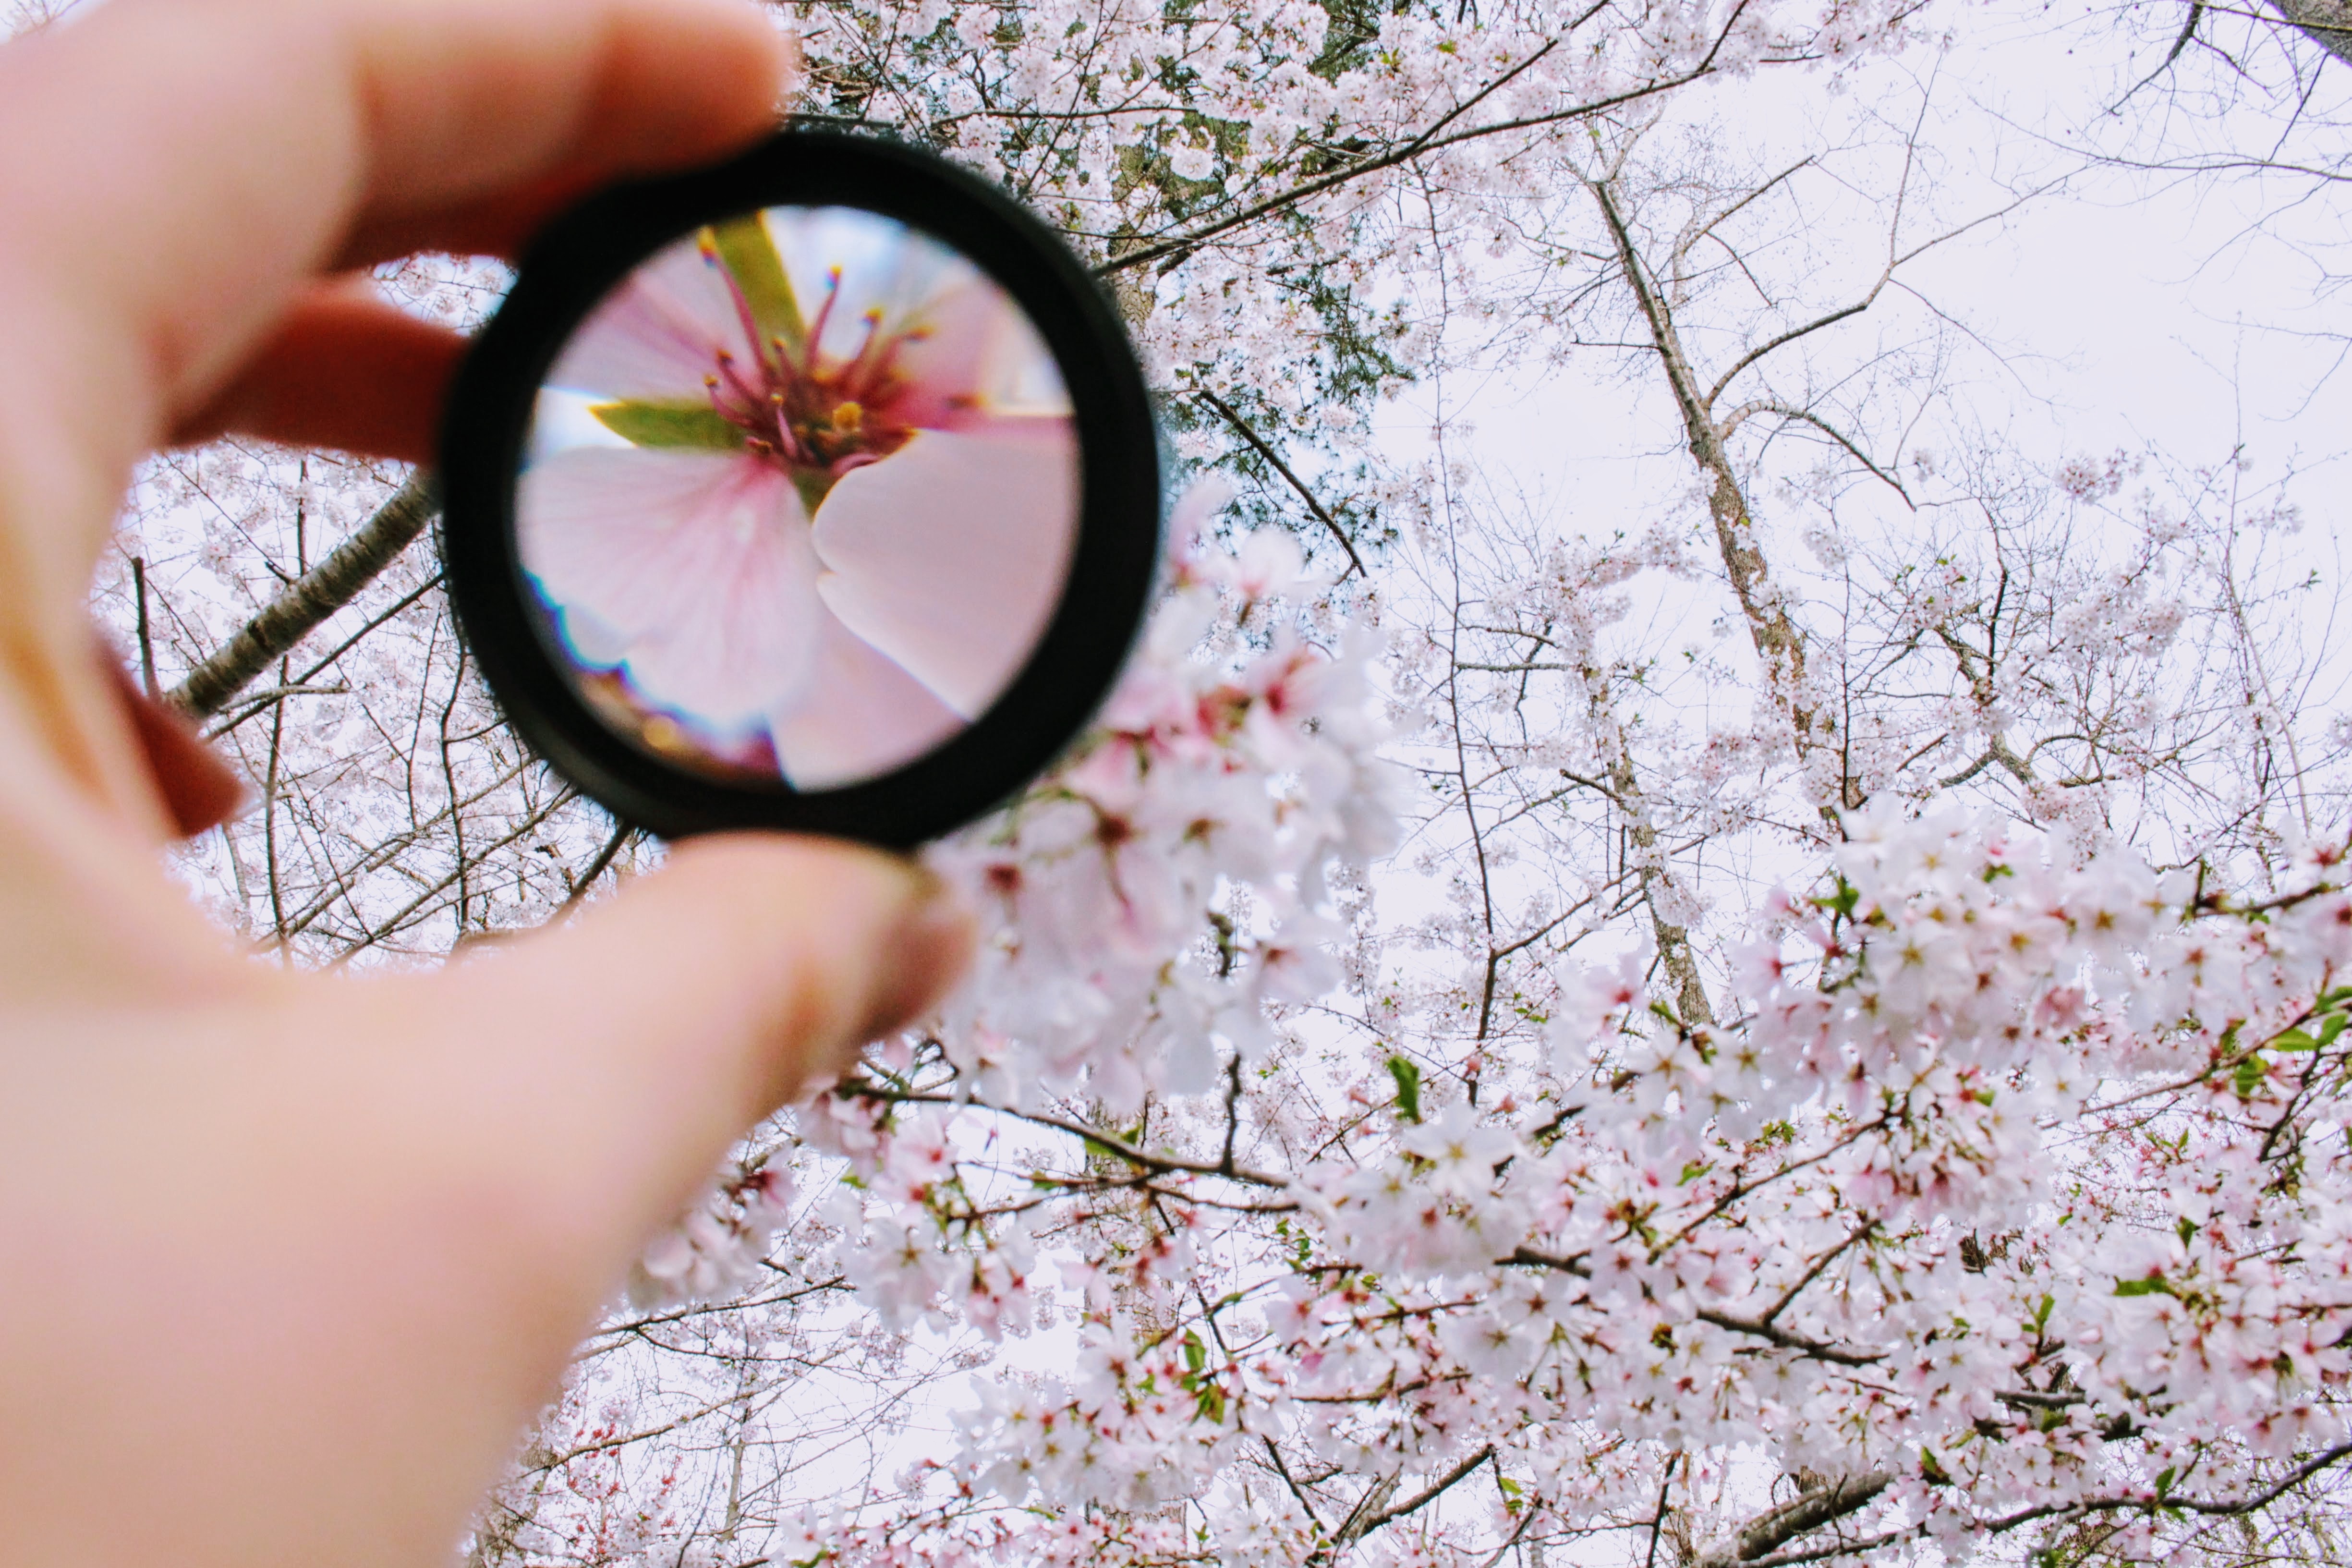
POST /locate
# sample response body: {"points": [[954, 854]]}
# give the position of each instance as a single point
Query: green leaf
{"points": [[1937, 1476], [1408, 1082], [1843, 901], [1196, 1355], [2332, 1026], [2154, 1285], [2293, 1040], [2164, 1482], [749, 256], [2251, 1073], [696, 426]]}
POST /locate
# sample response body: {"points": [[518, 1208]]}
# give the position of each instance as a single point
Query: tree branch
{"points": [[1242, 427], [1777, 1527], [309, 600], [1427, 141], [1433, 1491]]}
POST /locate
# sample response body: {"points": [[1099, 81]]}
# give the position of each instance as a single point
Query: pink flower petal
{"points": [[955, 339], [694, 569], [970, 354], [950, 555], [659, 334], [858, 715]]}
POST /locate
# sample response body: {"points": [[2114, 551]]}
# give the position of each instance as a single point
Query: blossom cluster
{"points": [[1826, 1228]]}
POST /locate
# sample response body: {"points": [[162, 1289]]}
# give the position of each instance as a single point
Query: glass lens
{"points": [[800, 497]]}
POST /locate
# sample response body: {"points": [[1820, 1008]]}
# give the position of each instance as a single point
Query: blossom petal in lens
{"points": [[857, 706], [936, 559], [812, 541], [692, 571]]}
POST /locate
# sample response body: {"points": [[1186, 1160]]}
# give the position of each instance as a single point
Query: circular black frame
{"points": [[571, 268]]}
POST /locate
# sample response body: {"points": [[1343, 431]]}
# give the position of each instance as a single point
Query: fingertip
{"points": [[899, 937], [932, 944], [763, 960]]}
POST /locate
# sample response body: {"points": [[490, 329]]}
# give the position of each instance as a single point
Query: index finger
{"points": [[173, 175], [205, 157]]}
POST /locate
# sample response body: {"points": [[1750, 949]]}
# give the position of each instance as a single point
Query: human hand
{"points": [[294, 1258]]}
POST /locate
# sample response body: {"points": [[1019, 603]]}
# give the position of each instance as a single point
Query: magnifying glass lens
{"points": [[799, 499]]}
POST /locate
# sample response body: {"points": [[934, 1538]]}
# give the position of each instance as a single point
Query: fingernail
{"points": [[926, 952]]}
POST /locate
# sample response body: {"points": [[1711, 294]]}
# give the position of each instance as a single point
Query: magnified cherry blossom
{"points": [[800, 496]]}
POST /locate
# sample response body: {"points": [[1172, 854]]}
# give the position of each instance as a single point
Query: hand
{"points": [[291, 1260]]}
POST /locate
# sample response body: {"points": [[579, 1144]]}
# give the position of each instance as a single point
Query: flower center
{"points": [[814, 416]]}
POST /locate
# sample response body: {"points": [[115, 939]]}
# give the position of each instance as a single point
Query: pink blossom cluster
{"points": [[2017, 1193], [1208, 774]]}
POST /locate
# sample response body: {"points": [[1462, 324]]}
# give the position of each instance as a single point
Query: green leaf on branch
{"points": [[2250, 1077], [1408, 1082], [1842, 902], [2154, 1285], [697, 427]]}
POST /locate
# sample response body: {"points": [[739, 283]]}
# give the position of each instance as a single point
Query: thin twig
{"points": [[1355, 561]]}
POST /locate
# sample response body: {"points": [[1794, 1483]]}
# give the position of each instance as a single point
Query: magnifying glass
{"points": [[817, 490]]}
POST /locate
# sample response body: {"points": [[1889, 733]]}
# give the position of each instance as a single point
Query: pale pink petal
{"points": [[858, 716], [968, 353], [694, 569], [659, 334], [948, 344], [950, 555]]}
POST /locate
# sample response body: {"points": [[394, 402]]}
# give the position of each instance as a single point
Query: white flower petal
{"points": [[950, 555], [694, 569], [858, 716]]}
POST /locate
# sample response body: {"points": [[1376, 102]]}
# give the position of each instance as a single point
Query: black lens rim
{"points": [[571, 268]]}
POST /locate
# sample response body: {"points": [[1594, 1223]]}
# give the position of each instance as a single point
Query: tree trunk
{"points": [[2327, 23]]}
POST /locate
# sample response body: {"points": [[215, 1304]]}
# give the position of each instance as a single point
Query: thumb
{"points": [[644, 1038]]}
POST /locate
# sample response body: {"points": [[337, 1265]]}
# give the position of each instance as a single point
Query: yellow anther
{"points": [[848, 417]]}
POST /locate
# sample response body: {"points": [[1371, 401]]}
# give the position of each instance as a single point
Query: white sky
{"points": [[2131, 314]]}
